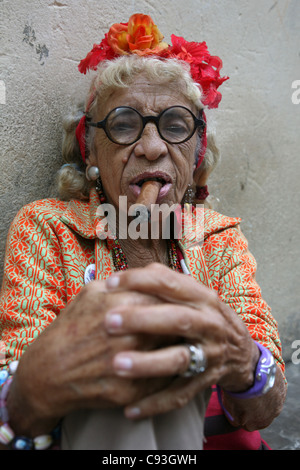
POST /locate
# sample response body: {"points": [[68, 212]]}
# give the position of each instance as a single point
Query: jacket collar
{"points": [[81, 216]]}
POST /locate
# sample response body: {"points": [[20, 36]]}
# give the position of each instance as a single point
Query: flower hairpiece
{"points": [[142, 37]]}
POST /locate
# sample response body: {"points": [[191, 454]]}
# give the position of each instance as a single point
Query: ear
{"points": [[91, 169], [91, 160]]}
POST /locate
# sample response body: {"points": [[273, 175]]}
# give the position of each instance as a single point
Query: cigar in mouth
{"points": [[148, 195]]}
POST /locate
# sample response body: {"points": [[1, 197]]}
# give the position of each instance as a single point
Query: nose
{"points": [[150, 145]]}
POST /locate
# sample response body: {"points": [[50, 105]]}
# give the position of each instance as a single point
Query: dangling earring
{"points": [[188, 195], [92, 173], [100, 191]]}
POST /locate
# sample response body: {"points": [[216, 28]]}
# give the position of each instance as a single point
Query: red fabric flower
{"points": [[99, 52], [191, 52], [205, 69]]}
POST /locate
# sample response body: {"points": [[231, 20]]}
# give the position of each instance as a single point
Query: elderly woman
{"points": [[121, 339]]}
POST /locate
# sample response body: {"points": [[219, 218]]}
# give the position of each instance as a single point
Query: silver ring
{"points": [[197, 363]]}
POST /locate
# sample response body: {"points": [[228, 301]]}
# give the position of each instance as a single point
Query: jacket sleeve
{"points": [[33, 289], [235, 281]]}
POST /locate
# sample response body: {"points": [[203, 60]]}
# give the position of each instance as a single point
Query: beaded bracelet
{"points": [[7, 435]]}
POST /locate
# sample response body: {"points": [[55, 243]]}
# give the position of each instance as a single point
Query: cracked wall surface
{"points": [[257, 124]]}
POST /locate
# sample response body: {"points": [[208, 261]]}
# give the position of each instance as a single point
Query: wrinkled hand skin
{"points": [[69, 366]]}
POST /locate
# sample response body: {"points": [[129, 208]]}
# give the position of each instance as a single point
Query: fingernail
{"points": [[123, 363], [113, 321], [112, 282], [132, 412]]}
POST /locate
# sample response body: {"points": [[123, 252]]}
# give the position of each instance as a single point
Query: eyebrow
{"points": [[140, 108]]}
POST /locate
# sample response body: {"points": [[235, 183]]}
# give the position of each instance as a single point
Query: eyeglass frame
{"points": [[198, 122]]}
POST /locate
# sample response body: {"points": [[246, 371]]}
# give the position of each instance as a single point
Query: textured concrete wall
{"points": [[257, 124]]}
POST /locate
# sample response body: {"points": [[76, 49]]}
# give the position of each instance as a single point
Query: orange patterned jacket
{"points": [[51, 243]]}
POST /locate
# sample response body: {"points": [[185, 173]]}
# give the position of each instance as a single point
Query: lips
{"points": [[161, 177]]}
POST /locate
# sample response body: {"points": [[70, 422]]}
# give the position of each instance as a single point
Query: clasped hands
{"points": [[184, 311], [120, 342]]}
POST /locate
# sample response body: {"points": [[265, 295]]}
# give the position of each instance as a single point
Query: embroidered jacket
{"points": [[51, 243]]}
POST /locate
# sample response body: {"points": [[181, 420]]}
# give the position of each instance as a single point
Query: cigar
{"points": [[148, 195]]}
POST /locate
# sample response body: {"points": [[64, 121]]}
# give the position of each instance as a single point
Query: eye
{"points": [[121, 126], [176, 124], [123, 120], [175, 129]]}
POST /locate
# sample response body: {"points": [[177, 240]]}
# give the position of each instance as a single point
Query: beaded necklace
{"points": [[120, 261]]}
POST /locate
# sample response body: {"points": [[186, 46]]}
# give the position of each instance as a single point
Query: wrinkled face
{"points": [[122, 168]]}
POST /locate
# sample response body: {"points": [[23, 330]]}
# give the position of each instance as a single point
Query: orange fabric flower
{"points": [[140, 36]]}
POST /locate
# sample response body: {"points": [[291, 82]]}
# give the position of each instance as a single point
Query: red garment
{"points": [[221, 435]]}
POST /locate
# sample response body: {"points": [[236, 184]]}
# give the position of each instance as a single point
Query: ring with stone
{"points": [[197, 363]]}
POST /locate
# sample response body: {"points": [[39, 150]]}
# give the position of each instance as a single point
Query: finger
{"points": [[164, 319], [158, 280], [177, 395], [159, 363], [96, 286]]}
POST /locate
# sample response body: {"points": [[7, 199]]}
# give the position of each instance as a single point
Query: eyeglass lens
{"points": [[125, 125]]}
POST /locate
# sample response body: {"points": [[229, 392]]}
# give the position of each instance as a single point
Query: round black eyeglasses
{"points": [[124, 125]]}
